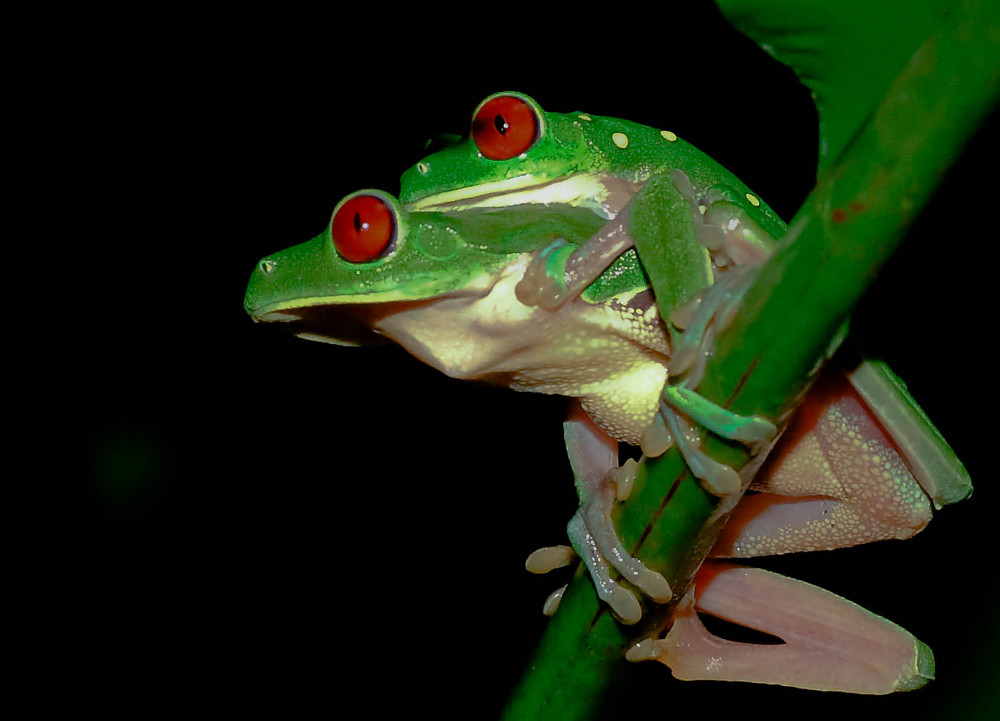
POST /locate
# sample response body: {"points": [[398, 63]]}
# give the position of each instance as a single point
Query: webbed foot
{"points": [[826, 642]]}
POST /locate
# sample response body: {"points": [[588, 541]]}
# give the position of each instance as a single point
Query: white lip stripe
{"points": [[473, 192], [574, 190]]}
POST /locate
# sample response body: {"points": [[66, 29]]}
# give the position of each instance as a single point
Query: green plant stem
{"points": [[798, 304]]}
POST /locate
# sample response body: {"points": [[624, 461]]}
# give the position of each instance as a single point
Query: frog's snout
{"points": [[258, 289]]}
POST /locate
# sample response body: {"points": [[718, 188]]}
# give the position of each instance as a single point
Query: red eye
{"points": [[504, 127], [362, 228]]}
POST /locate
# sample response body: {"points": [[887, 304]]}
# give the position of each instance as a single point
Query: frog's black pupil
{"points": [[357, 222], [500, 124]]}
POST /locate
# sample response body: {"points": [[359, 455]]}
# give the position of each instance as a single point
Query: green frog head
{"points": [[519, 154], [375, 258]]}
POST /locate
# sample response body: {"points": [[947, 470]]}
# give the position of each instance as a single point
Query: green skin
{"points": [[438, 254], [435, 255], [602, 164], [571, 144]]}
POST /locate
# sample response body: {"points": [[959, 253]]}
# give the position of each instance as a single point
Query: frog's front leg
{"points": [[594, 458], [561, 271], [685, 416]]}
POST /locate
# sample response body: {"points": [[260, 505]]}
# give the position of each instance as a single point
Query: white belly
{"points": [[611, 356]]}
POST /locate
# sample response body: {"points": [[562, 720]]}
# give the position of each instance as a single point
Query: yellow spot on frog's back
{"points": [[753, 200], [620, 139], [584, 116], [668, 135]]}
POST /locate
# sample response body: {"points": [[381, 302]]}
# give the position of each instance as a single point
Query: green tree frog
{"points": [[544, 253]]}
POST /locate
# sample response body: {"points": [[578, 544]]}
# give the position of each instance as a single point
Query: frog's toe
{"points": [[544, 282], [719, 420], [541, 292], [656, 439], [653, 584], [718, 478], [624, 478], [601, 530], [551, 604], [549, 558], [623, 604], [621, 601], [650, 582]]}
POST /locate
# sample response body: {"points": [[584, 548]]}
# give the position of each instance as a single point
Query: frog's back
{"points": [[637, 152]]}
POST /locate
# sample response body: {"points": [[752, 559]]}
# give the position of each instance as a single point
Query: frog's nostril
{"points": [[267, 266]]}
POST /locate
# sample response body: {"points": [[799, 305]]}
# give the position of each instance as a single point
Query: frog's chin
{"points": [[444, 335], [468, 336]]}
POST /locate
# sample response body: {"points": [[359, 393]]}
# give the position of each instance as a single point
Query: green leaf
{"points": [[845, 52]]}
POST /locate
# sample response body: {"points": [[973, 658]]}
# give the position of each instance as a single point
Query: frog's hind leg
{"points": [[594, 458], [822, 642], [835, 479], [858, 463]]}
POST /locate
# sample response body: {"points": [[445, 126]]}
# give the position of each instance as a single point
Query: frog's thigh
{"points": [[828, 643], [834, 480]]}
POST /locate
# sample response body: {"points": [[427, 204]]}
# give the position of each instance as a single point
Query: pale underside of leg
{"points": [[829, 643], [835, 480]]}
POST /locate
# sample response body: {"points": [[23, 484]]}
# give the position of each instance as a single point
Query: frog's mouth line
{"points": [[586, 190], [353, 322]]}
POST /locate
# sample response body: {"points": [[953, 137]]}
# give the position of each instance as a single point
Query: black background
{"points": [[254, 522]]}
